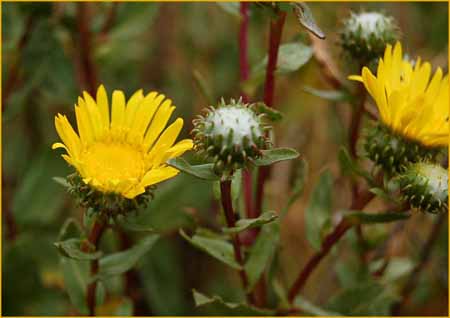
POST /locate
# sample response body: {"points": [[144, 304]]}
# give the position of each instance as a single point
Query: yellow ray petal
{"points": [[118, 110], [158, 123], [102, 102], [157, 175]]}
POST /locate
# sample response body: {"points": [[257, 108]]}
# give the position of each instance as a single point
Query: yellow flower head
{"points": [[123, 151], [410, 102]]}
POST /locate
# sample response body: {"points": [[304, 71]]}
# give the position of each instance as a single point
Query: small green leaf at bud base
{"points": [[425, 187], [365, 35], [230, 136], [394, 152]]}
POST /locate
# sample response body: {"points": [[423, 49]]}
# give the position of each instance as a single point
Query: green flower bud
{"points": [[365, 35], [425, 187], [229, 135], [394, 152]]}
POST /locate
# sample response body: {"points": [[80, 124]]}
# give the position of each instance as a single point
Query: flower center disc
{"points": [[113, 162]]}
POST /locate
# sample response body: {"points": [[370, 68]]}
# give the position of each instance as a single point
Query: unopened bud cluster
{"points": [[365, 35], [394, 152], [230, 135], [425, 187]]}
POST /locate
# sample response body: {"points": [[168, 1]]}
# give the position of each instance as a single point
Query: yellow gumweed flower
{"points": [[410, 102], [124, 150]]}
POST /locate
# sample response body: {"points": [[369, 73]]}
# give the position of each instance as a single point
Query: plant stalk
{"points": [[329, 241], [425, 254], [225, 189], [244, 72], [88, 73], [93, 239], [276, 30]]}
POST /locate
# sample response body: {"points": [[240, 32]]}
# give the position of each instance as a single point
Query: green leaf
{"points": [[366, 299], [385, 217], [349, 166], [67, 226], [121, 262], [397, 268], [318, 211], [275, 155], [331, 95], [218, 248], [272, 114], [219, 307], [62, 181], [381, 193], [291, 57], [71, 248], [163, 277], [261, 252], [133, 226], [236, 185], [301, 175], [75, 281], [100, 294], [38, 199], [306, 19], [311, 309], [244, 224], [230, 7], [200, 171]]}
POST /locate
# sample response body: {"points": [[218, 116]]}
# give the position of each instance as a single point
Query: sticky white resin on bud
{"points": [[242, 121], [369, 22]]}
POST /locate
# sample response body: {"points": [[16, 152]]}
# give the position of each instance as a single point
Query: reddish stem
{"points": [[88, 72], [425, 254], [244, 71], [276, 30], [225, 189], [93, 239], [329, 241]]}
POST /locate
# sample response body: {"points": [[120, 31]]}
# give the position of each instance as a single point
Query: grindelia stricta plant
{"points": [[119, 154], [122, 148]]}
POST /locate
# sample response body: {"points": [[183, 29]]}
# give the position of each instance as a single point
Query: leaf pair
{"points": [[206, 172]]}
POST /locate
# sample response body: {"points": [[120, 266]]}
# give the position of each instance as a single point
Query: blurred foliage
{"points": [[163, 47]]}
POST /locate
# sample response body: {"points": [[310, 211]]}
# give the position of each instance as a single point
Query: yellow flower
{"points": [[123, 151], [409, 103]]}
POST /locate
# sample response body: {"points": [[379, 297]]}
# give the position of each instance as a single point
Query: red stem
{"points": [[329, 241], [88, 72], [244, 71], [425, 254], [94, 237], [276, 30], [225, 189]]}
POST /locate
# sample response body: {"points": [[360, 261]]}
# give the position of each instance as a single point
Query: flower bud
{"points": [[425, 187], [107, 204], [365, 35], [394, 152], [229, 135]]}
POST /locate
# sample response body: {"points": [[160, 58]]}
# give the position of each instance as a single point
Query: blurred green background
{"points": [[160, 46]]}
